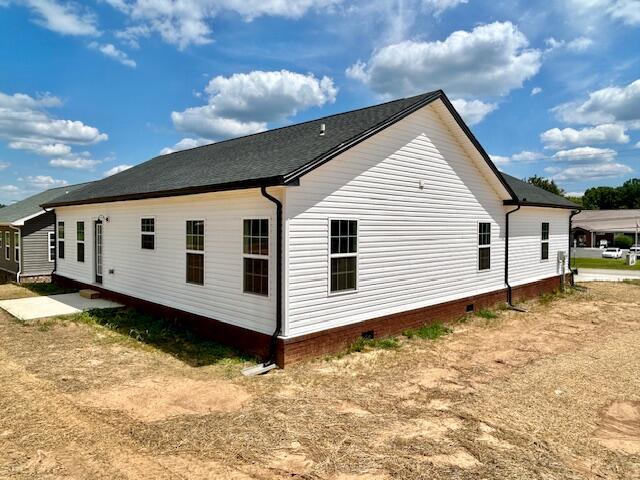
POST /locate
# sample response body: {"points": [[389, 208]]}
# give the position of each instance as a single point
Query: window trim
{"points": [[253, 255], [197, 252], [142, 234], [543, 241], [60, 239], [479, 247], [7, 245], [16, 247], [51, 250], [343, 255], [78, 242]]}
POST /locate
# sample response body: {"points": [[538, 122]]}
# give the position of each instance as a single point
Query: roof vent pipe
{"points": [[323, 129]]}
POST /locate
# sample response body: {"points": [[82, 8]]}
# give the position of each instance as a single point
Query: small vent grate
{"points": [[470, 308], [368, 335]]}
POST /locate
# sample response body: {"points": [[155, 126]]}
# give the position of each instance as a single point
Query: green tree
{"points": [[600, 198], [630, 193], [622, 241], [545, 183], [578, 200]]}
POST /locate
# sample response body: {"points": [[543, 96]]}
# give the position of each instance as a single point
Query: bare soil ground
{"points": [[552, 393]]}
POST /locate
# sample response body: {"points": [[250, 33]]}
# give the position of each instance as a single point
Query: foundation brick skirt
{"points": [[329, 341]]}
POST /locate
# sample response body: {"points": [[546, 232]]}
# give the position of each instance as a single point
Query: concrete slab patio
{"points": [[53, 306]]}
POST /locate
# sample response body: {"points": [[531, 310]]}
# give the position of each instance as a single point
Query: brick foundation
{"points": [[334, 340]]}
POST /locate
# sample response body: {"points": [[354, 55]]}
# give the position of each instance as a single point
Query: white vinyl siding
{"points": [[418, 198], [159, 275], [525, 265]]}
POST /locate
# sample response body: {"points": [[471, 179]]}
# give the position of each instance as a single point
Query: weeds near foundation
{"points": [[632, 282], [430, 332], [365, 344], [486, 314], [160, 333], [46, 288], [547, 298]]}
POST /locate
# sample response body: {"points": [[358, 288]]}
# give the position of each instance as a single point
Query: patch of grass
{"points": [[628, 281], [47, 288], [365, 344], [430, 332], [486, 314], [615, 263], [161, 333]]}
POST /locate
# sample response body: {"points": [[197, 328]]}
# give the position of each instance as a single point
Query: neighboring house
{"points": [[362, 223], [27, 237], [591, 227]]}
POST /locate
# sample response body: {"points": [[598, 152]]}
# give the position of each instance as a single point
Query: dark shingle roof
{"points": [[267, 158], [31, 205], [535, 196], [274, 157]]}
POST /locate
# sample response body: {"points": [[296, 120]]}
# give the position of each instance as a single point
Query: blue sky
{"points": [[89, 88]]}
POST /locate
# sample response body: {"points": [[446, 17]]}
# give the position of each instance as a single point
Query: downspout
{"points": [[506, 262], [573, 214], [271, 360]]}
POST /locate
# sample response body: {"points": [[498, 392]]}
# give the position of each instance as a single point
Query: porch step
{"points": [[90, 294]]}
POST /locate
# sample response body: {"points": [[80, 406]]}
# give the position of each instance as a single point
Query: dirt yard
{"points": [[552, 393]]}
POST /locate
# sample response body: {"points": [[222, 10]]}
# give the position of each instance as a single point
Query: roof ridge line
{"points": [[296, 124]]}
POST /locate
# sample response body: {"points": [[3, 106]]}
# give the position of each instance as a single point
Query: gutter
{"points": [[573, 272], [506, 261], [271, 360]]}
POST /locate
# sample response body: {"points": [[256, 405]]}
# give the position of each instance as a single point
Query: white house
{"points": [[296, 241]]}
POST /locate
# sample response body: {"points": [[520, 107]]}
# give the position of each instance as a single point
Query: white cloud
{"points": [[625, 11], [637, 145], [81, 161], [9, 188], [500, 160], [67, 19], [473, 111], [590, 172], [42, 148], [492, 59], [132, 35], [536, 90], [526, 156], [439, 6], [606, 133], [607, 105], [579, 44], [117, 169], [244, 103], [185, 144], [109, 50], [586, 155], [23, 119], [574, 194], [4, 165], [45, 182], [186, 22]]}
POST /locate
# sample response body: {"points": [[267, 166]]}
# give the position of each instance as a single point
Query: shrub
{"points": [[431, 332], [622, 241]]}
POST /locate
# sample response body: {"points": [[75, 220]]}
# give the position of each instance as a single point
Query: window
{"points": [[148, 233], [343, 255], [7, 245], [16, 247], [544, 254], [51, 242], [80, 241], [255, 249], [484, 246], [60, 239], [195, 252]]}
